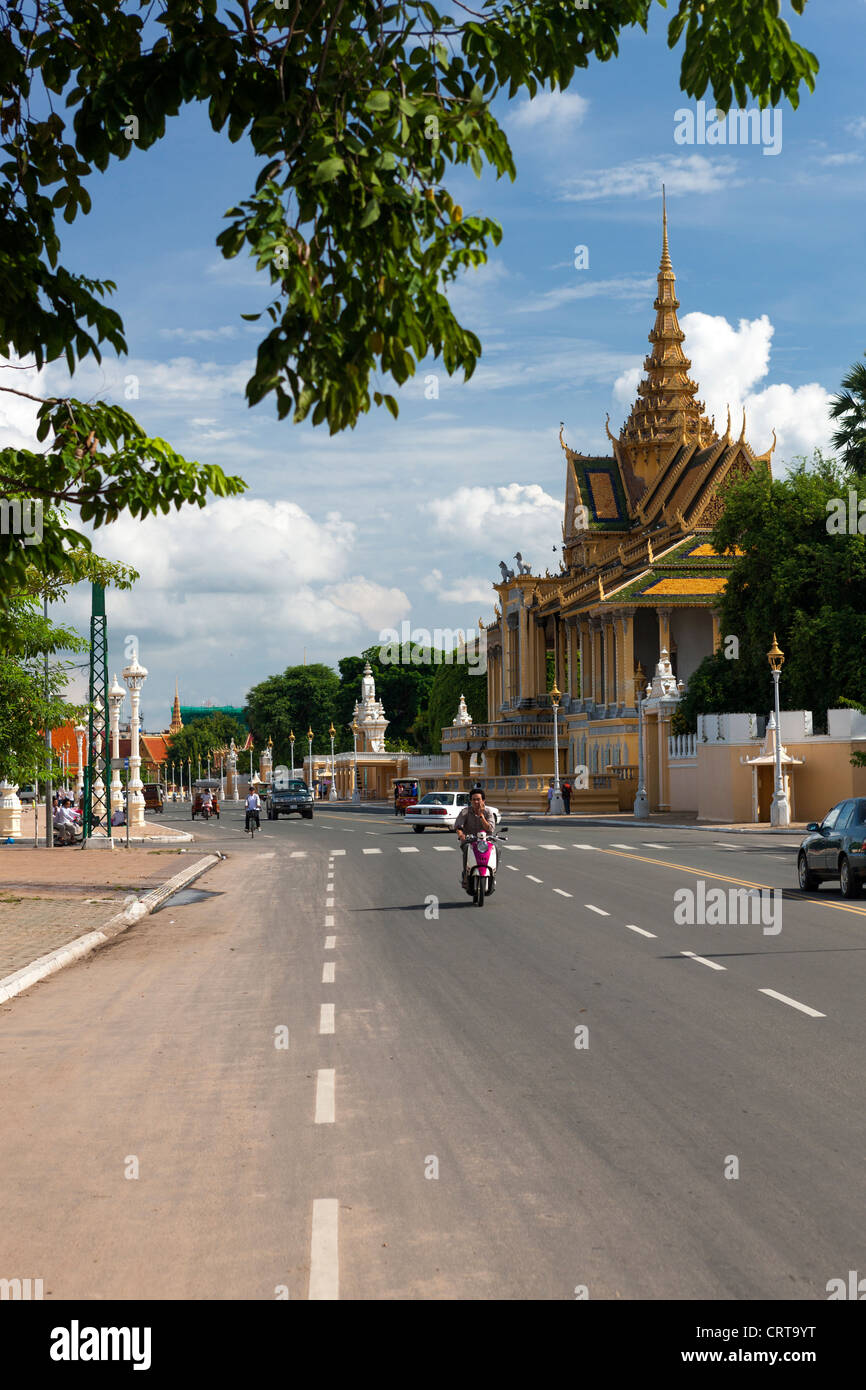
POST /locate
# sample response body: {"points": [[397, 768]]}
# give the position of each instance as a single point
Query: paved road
{"points": [[431, 1130]]}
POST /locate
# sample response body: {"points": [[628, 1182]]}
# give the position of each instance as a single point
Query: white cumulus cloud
{"points": [[558, 112]]}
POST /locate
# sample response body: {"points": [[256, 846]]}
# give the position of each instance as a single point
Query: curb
{"points": [[55, 960], [794, 830]]}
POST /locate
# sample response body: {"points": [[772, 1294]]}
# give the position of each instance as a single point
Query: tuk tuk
{"points": [[199, 787], [405, 795]]}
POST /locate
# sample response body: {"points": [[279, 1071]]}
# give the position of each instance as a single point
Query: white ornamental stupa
{"points": [[369, 715]]}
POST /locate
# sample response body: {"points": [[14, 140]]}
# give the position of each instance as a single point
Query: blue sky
{"points": [[338, 538]]}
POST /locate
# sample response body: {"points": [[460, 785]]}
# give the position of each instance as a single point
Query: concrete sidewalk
{"points": [[150, 832], [51, 897]]}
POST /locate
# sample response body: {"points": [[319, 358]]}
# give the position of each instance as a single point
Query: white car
{"points": [[439, 811]]}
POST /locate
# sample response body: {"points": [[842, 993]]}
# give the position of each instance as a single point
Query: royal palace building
{"points": [[636, 598]]}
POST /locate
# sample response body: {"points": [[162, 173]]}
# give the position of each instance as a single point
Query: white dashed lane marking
{"points": [[562, 847], [326, 1018], [298, 854], [513, 867], [445, 849], [714, 965], [631, 927], [330, 943], [533, 879], [324, 1250], [329, 921], [409, 849], [329, 902], [562, 893], [600, 910], [583, 847], [328, 972], [648, 844], [325, 1096], [371, 851], [784, 999]]}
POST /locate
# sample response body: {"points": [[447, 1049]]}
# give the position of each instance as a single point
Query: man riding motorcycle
{"points": [[470, 821]]}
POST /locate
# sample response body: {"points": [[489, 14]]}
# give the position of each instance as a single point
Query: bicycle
{"points": [[253, 823]]}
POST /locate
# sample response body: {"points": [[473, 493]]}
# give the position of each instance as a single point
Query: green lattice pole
{"points": [[95, 784]]}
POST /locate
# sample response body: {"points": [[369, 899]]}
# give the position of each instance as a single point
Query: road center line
{"points": [[324, 1250], [326, 1018], [325, 1096], [713, 964], [804, 1008]]}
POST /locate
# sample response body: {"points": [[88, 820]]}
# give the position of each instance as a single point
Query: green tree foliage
{"points": [[850, 407], [449, 683], [403, 689], [357, 111], [202, 736], [27, 705], [798, 577], [302, 698]]}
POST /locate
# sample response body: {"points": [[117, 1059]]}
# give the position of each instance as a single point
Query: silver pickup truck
{"points": [[288, 799]]}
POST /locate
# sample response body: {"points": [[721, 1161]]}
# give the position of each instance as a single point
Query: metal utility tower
{"points": [[96, 808]]}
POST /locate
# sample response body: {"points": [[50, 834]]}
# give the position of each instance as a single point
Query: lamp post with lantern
{"points": [[134, 675], [356, 795], [557, 806], [80, 731], [641, 804], [332, 794], [116, 696], [779, 814], [310, 746], [292, 745]]}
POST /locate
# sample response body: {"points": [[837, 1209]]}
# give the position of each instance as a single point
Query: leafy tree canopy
{"points": [[801, 576], [303, 697], [202, 736], [357, 111], [849, 407], [449, 683]]}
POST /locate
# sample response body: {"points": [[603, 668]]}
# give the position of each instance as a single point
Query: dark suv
{"points": [[835, 849], [284, 800]]}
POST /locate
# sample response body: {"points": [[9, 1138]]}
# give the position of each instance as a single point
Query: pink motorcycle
{"points": [[482, 861]]}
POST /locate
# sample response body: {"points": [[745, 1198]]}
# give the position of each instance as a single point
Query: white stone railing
{"points": [[434, 762], [682, 746]]}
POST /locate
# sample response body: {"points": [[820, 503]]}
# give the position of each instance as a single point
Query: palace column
{"points": [[717, 629], [597, 664], [664, 615], [541, 656], [585, 660], [503, 659], [524, 656], [573, 687], [609, 662], [627, 662]]}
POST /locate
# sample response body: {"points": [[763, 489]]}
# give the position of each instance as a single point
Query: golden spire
{"points": [[667, 408], [176, 722]]}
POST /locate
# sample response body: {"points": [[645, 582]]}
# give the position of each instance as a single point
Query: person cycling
{"points": [[253, 805], [472, 819]]}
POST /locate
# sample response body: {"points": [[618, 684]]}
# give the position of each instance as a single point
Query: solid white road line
{"points": [[326, 1088], [324, 1251], [329, 921], [328, 972], [371, 851], [600, 910], [783, 998], [330, 943], [714, 965], [409, 849], [326, 1018], [630, 927], [562, 893], [533, 879]]}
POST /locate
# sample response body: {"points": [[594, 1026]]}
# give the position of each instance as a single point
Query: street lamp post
{"points": [[134, 675], [641, 804], [80, 731], [332, 794], [557, 806], [356, 795], [310, 745], [292, 743], [116, 696], [779, 813]]}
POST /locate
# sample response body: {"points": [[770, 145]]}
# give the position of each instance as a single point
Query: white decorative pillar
{"points": [[135, 675], [116, 696], [266, 763], [10, 810], [80, 732], [232, 779]]}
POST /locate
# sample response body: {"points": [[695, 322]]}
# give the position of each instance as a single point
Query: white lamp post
{"points": [[310, 745], [292, 743], [356, 795], [80, 731], [134, 675], [779, 814], [641, 804], [116, 696], [332, 794], [557, 806]]}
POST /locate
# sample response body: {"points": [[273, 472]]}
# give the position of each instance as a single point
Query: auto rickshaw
{"points": [[405, 795], [198, 808]]}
